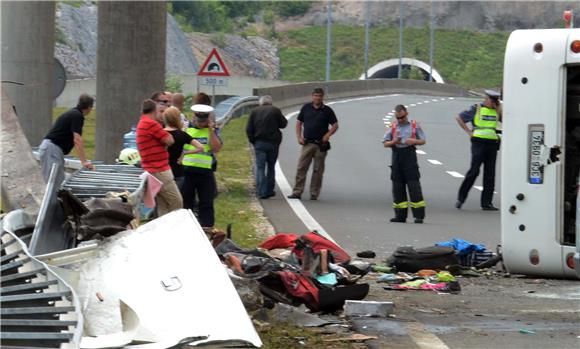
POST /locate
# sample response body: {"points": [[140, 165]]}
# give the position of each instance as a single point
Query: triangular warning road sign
{"points": [[213, 65]]}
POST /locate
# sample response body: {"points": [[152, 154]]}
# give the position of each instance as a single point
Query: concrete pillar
{"points": [[130, 67], [28, 59]]}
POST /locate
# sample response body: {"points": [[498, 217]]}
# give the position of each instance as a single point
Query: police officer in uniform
{"points": [[402, 137], [484, 146], [199, 176]]}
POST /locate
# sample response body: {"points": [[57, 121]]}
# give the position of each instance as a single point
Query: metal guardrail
{"points": [[234, 107], [38, 309], [86, 184]]}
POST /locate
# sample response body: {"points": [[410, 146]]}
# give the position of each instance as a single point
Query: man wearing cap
{"points": [[199, 177], [315, 124], [484, 146], [402, 137]]}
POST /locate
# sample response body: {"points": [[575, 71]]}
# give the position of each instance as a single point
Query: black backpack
{"points": [[411, 260]]}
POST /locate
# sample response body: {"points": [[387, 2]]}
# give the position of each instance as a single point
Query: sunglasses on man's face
{"points": [[163, 102]]}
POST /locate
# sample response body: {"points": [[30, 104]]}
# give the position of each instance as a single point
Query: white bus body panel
{"points": [[540, 101]]}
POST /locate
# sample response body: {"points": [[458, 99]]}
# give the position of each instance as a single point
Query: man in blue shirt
{"points": [[402, 137], [484, 146]]}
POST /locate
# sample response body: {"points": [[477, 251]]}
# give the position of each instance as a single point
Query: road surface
{"points": [[354, 208]]}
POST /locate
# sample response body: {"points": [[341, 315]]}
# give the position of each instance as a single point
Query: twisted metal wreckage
{"points": [[79, 272]]}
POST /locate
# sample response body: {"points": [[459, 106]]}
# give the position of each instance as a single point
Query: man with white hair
{"points": [[263, 130]]}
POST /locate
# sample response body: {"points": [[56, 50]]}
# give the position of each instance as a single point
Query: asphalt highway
{"points": [[355, 204], [354, 209]]}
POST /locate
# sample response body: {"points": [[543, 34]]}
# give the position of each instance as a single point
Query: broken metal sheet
{"points": [[297, 316], [49, 235], [167, 272]]}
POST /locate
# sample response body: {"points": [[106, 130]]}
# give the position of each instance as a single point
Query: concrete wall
{"points": [[28, 59], [130, 67], [296, 94], [238, 86]]}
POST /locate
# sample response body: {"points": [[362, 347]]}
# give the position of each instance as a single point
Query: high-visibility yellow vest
{"points": [[485, 122], [203, 159]]}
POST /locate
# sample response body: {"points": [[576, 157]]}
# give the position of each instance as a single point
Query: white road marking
{"points": [[422, 337], [435, 100], [412, 105], [416, 331], [478, 187], [419, 103], [451, 98], [434, 162], [455, 174], [425, 102]]}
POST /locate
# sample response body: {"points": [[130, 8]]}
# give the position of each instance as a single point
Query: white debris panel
{"points": [[169, 275]]}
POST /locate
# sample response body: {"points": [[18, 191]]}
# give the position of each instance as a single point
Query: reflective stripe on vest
{"points": [[201, 160], [413, 129], [485, 122]]}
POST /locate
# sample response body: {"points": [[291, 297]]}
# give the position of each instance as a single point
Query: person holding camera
{"points": [[402, 137], [485, 143], [315, 124]]}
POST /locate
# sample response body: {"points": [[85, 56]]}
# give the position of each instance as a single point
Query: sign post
{"points": [[213, 72]]}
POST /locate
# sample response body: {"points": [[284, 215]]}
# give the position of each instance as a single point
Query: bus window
{"points": [[571, 154]]}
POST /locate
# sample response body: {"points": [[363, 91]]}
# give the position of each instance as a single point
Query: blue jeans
{"points": [[266, 156]]}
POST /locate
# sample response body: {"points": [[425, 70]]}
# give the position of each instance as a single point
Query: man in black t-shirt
{"points": [[313, 133], [65, 134]]}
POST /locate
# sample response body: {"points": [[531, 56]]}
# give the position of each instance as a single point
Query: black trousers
{"points": [[200, 184], [405, 175], [482, 152]]}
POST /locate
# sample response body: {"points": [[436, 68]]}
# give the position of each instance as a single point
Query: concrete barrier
{"points": [[296, 94], [237, 86]]}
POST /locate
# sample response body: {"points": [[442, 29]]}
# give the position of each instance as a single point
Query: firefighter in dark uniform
{"points": [[402, 137], [484, 146]]}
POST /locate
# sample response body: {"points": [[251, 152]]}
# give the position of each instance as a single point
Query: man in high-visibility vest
{"points": [[199, 176], [484, 146], [402, 137]]}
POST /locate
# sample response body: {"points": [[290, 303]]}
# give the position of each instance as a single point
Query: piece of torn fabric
{"points": [[153, 187]]}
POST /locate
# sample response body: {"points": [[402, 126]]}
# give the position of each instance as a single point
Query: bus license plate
{"points": [[536, 169]]}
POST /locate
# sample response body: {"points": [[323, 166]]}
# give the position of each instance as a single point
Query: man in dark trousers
{"points": [[65, 134], [402, 137], [315, 124], [263, 131], [484, 146]]}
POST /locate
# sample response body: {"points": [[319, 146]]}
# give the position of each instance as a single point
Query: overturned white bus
{"points": [[541, 152]]}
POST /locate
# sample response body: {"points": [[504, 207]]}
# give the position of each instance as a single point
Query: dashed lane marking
{"points": [[413, 105], [435, 162], [420, 152], [455, 174], [422, 337], [478, 187]]}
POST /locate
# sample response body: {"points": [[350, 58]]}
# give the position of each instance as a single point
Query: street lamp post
{"points": [[328, 38], [432, 43], [367, 25], [399, 75]]}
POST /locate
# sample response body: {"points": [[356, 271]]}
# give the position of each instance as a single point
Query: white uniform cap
{"points": [[202, 108]]}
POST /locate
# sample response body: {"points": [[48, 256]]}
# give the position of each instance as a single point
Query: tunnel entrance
{"points": [[412, 69]]}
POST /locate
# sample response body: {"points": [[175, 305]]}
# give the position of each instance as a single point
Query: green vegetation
{"points": [[469, 59], [227, 16], [173, 83], [234, 176]]}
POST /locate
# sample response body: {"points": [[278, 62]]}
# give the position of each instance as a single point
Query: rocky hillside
{"points": [[467, 15], [76, 42], [76, 46]]}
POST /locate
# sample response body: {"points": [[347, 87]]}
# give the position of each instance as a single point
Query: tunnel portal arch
{"points": [[389, 69]]}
